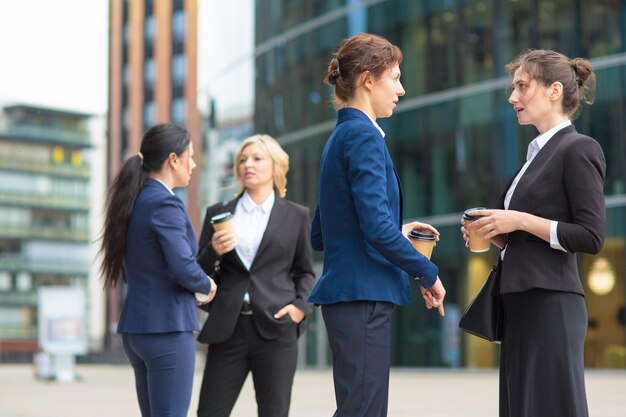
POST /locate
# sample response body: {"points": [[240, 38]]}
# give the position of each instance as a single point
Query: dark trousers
{"points": [[542, 361], [359, 337], [164, 368], [272, 363]]}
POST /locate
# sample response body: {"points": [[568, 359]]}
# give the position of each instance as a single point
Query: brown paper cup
{"points": [[477, 243], [223, 221], [423, 242]]}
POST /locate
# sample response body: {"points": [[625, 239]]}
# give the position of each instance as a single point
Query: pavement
{"points": [[108, 391]]}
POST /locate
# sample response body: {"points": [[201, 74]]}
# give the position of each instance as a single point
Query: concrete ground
{"points": [[108, 391]]}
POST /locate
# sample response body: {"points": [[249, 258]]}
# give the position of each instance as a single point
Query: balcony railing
{"points": [[49, 266], [26, 165], [76, 203], [48, 134], [29, 231]]}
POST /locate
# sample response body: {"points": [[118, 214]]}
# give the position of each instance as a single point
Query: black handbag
{"points": [[484, 316]]}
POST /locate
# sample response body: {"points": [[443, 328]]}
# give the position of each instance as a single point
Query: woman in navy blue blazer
{"points": [[148, 241], [358, 225]]}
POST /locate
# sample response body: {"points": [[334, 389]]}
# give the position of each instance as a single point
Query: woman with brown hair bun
{"points": [[551, 210], [358, 224]]}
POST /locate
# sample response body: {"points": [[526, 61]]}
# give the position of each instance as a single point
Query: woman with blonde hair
{"points": [[265, 274]]}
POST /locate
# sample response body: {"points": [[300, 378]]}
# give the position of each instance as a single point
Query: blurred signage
{"points": [[62, 321]]}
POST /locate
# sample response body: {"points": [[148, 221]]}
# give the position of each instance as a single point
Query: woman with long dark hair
{"points": [[149, 242]]}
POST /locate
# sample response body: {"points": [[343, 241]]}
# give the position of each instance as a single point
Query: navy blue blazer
{"points": [[160, 266], [358, 220]]}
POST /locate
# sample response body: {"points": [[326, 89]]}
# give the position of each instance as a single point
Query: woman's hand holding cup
{"points": [[223, 241]]}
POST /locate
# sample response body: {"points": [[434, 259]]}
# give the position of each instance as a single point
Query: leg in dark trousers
{"points": [[272, 362], [224, 375], [359, 337], [164, 367]]}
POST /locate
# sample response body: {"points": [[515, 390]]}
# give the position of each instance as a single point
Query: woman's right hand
{"points": [[465, 233], [207, 298], [223, 242]]}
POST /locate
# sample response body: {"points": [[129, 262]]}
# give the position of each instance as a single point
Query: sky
{"points": [[54, 53]]}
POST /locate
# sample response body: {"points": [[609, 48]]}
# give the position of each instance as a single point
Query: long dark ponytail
{"points": [[157, 144]]}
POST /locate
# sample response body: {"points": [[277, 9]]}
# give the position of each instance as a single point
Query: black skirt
{"points": [[542, 355]]}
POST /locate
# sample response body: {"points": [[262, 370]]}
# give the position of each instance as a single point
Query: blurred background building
{"points": [[50, 188], [454, 138]]}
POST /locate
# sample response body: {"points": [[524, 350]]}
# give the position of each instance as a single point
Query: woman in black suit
{"points": [[552, 209], [265, 275]]}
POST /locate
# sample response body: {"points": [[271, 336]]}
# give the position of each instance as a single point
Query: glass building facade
{"points": [[44, 216], [454, 138]]}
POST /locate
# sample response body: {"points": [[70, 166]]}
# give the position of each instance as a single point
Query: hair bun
{"points": [[333, 71], [583, 70]]}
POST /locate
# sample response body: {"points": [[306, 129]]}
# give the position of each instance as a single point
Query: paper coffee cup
{"points": [[223, 221], [477, 243], [203, 298], [423, 242]]}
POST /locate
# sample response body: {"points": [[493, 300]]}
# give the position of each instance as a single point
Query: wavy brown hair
{"points": [[547, 67], [356, 55]]}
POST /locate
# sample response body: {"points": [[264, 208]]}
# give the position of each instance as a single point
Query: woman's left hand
{"points": [[495, 222], [294, 312], [406, 228]]}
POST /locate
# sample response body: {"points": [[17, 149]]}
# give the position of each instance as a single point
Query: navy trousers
{"points": [[164, 368], [360, 338]]}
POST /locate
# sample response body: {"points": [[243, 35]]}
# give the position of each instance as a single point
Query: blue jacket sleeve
{"points": [[365, 154], [169, 222]]}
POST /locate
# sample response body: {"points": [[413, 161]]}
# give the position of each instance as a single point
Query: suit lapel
{"points": [[536, 167], [231, 206], [274, 222], [399, 191]]}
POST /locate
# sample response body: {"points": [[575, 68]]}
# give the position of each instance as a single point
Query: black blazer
{"points": [[281, 273], [565, 183]]}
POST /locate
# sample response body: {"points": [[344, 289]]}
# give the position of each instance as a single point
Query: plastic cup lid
{"points": [[468, 217], [222, 217], [416, 234]]}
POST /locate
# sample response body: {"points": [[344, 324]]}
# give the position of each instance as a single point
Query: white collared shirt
{"points": [[166, 187], [250, 221], [382, 132], [533, 149]]}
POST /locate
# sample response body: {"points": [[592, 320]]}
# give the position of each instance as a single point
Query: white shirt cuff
{"points": [[554, 240]]}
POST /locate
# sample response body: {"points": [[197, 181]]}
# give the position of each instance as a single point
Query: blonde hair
{"points": [[280, 162]]}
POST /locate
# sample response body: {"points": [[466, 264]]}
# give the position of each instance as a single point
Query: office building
{"points": [[454, 138], [46, 181]]}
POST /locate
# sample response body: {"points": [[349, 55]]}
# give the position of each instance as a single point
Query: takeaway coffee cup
{"points": [[203, 298], [422, 241], [477, 243], [223, 221]]}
